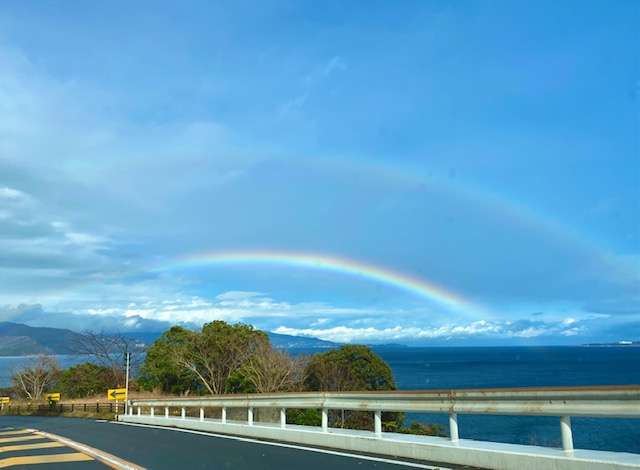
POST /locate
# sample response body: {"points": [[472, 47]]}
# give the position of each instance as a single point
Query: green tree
{"points": [[350, 368], [424, 430], [85, 380], [162, 370], [218, 351]]}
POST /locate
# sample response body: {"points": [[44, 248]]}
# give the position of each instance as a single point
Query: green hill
{"points": [[17, 339]]}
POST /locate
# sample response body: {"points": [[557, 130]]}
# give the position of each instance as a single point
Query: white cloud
{"points": [[323, 70], [530, 332], [161, 299], [10, 193], [482, 328], [78, 238], [293, 107]]}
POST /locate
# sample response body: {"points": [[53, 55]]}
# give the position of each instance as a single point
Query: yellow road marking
{"points": [[104, 457], [15, 431], [57, 458], [18, 439], [41, 445]]}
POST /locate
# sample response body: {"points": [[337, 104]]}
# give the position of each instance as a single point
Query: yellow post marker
{"points": [[116, 394]]}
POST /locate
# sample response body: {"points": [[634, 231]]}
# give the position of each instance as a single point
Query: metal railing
{"points": [[602, 402], [60, 407]]}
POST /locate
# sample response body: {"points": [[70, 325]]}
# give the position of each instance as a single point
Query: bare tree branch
{"points": [[270, 370], [109, 350], [36, 376]]}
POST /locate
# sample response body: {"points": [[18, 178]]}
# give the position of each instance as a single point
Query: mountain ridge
{"points": [[18, 339]]}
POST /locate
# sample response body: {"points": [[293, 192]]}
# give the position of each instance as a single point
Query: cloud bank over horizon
{"points": [[454, 158]]}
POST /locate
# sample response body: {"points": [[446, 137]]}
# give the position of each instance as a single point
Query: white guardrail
{"points": [[603, 402]]}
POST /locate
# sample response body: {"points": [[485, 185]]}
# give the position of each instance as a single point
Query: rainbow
{"points": [[333, 264], [504, 207]]}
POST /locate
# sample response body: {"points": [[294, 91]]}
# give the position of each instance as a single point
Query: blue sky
{"points": [[424, 172]]}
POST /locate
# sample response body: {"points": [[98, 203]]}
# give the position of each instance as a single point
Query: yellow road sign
{"points": [[52, 396], [116, 393], [5, 400]]}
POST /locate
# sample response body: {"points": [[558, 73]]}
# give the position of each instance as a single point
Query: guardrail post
{"points": [[325, 420], [201, 414], [166, 411], [138, 411], [183, 413], [224, 415], [283, 417], [250, 415], [130, 411], [377, 417], [152, 411], [567, 435], [453, 427]]}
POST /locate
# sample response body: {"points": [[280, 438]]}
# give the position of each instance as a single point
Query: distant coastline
{"points": [[608, 345]]}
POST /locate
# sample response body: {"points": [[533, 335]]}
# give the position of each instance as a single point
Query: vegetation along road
{"points": [[157, 448]]}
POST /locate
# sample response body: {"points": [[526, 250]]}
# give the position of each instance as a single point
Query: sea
{"points": [[516, 367], [458, 368]]}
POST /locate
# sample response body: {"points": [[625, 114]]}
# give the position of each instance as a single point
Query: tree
{"points": [[36, 376], [109, 350], [85, 380], [350, 368], [161, 369], [269, 370], [219, 351]]}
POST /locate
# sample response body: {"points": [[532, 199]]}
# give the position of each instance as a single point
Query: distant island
{"points": [[604, 345]]}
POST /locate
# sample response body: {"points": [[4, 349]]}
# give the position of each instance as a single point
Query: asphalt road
{"points": [[162, 448]]}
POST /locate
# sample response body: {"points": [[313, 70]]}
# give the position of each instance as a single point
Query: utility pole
{"points": [[126, 389]]}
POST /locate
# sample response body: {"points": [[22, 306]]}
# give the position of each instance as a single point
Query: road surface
{"points": [[163, 448]]}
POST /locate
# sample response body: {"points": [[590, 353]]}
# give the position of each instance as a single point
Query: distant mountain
{"points": [[17, 339], [277, 341], [298, 342]]}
